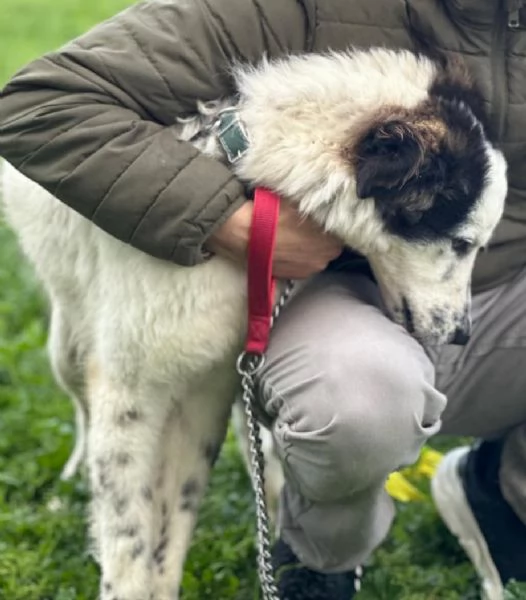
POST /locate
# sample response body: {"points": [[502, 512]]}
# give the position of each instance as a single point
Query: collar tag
{"points": [[232, 134]]}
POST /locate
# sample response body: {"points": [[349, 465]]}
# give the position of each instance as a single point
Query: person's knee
{"points": [[364, 413]]}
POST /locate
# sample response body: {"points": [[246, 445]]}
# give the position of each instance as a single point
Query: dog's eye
{"points": [[461, 246]]}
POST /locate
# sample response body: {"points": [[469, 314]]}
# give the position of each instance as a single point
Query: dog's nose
{"points": [[461, 336]]}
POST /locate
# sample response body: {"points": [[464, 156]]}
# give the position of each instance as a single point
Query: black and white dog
{"points": [[386, 150]]}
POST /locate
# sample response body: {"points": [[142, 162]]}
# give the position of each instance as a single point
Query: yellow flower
{"points": [[401, 485], [428, 462], [400, 488]]}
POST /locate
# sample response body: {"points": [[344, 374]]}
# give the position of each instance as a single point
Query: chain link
{"points": [[248, 366]]}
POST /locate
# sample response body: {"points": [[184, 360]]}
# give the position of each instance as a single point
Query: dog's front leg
{"points": [[123, 458], [191, 443]]}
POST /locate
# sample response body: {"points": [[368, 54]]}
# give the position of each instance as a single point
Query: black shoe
{"points": [[468, 497], [297, 582]]}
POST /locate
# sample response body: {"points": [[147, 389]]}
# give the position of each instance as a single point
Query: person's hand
{"points": [[302, 247]]}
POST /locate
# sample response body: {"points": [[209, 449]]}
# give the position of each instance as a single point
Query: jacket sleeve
{"points": [[93, 122]]}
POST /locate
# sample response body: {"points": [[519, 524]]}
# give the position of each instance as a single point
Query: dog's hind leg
{"points": [[67, 364], [193, 438], [124, 447]]}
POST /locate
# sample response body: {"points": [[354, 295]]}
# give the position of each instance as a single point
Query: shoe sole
{"points": [[451, 502]]}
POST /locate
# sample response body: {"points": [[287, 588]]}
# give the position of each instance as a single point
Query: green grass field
{"points": [[42, 545]]}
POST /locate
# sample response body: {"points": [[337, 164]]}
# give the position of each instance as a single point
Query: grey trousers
{"points": [[350, 397]]}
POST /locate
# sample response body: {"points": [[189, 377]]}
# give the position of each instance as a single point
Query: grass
{"points": [[42, 548]]}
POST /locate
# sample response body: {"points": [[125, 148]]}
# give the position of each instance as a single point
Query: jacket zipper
{"points": [[508, 19], [514, 17]]}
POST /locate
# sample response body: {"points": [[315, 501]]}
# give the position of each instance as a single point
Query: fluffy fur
{"points": [[147, 349]]}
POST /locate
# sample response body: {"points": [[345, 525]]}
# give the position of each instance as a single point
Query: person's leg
{"points": [[481, 493], [513, 470], [351, 398], [485, 383]]}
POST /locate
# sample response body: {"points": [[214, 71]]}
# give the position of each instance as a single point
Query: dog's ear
{"points": [[387, 156]]}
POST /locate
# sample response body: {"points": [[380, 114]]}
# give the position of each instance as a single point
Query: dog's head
{"points": [[438, 187], [388, 151]]}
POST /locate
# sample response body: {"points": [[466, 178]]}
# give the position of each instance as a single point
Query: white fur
{"points": [[148, 348]]}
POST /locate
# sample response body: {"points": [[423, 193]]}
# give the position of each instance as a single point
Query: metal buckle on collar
{"points": [[232, 134]]}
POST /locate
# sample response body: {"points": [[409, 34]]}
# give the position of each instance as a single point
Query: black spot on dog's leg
{"points": [[147, 493], [159, 550], [128, 417], [137, 550], [164, 528], [130, 531], [162, 546], [189, 493], [159, 554], [211, 452], [164, 520], [190, 488]]}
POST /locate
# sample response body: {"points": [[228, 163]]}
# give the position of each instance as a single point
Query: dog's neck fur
{"points": [[293, 111]]}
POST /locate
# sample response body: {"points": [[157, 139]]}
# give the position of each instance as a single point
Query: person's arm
{"points": [[93, 122]]}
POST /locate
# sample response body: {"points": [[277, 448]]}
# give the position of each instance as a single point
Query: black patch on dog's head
{"points": [[387, 156], [425, 167], [454, 83]]}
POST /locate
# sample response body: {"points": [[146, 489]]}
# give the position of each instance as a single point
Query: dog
{"points": [[387, 150]]}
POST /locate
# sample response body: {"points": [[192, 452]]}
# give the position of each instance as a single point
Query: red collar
{"points": [[261, 284]]}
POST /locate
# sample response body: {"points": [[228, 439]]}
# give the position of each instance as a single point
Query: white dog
{"points": [[384, 149]]}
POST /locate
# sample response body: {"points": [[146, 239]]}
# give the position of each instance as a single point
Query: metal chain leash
{"points": [[247, 366]]}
